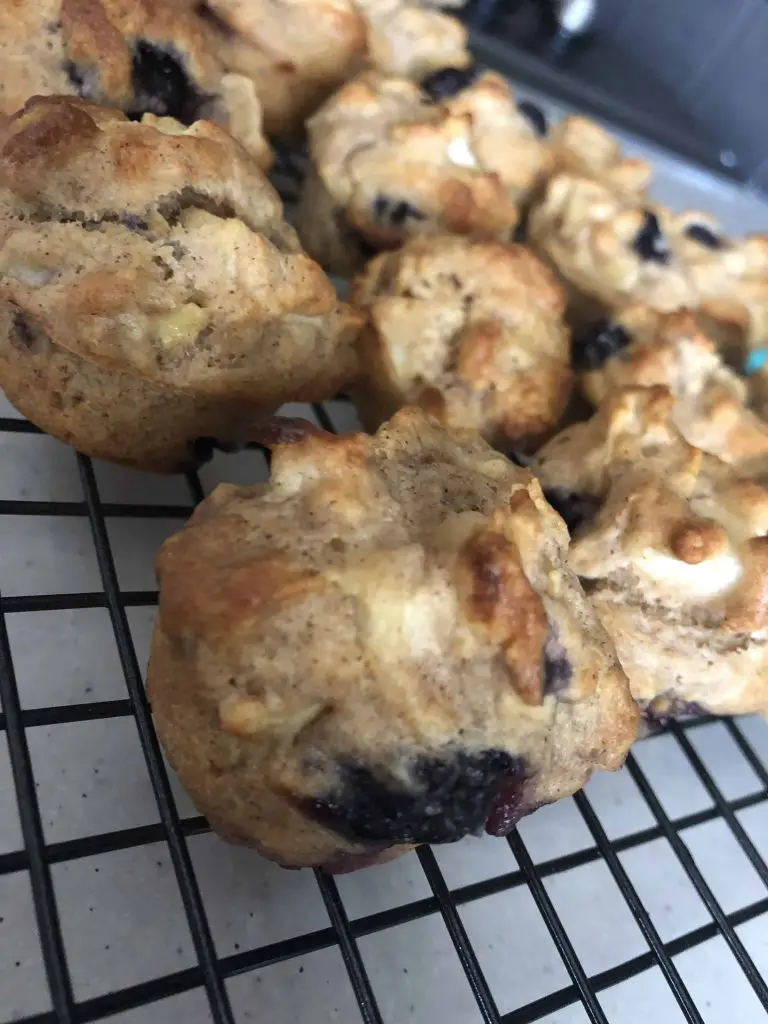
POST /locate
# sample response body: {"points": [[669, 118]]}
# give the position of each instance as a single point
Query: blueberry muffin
{"points": [[380, 647], [639, 347], [143, 56], [296, 52], [150, 291], [405, 39], [471, 331], [670, 546], [613, 249], [387, 164]]}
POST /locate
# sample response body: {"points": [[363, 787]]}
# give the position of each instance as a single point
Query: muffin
{"points": [[471, 331], [381, 646], [387, 164], [150, 291], [143, 56], [462, 155], [670, 545], [613, 249], [296, 52], [639, 347], [407, 40]]}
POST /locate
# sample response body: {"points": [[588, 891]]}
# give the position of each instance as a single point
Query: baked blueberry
{"points": [[448, 798], [161, 85], [535, 116], [445, 83], [704, 236], [594, 345], [558, 670], [649, 243], [23, 332], [396, 213], [574, 508]]}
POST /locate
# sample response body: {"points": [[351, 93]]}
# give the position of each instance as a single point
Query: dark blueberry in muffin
{"points": [[161, 86], [445, 799], [649, 242], [704, 236], [509, 805], [520, 459], [659, 712], [558, 670], [24, 333], [535, 117], [574, 508], [403, 211], [594, 345], [446, 82], [396, 213]]}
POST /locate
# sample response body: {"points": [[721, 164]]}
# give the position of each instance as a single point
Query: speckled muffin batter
{"points": [[380, 647], [471, 331], [639, 347], [150, 291], [614, 249], [296, 52], [143, 56], [670, 545]]}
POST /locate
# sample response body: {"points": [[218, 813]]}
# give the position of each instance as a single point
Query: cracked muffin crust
{"points": [[386, 164], [296, 52], [150, 291], [639, 347], [381, 646], [470, 331], [142, 56], [613, 249], [670, 545]]}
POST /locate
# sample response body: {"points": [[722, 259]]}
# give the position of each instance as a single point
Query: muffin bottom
{"points": [[111, 414]]}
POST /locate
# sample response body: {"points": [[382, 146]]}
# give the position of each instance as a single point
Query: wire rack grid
{"points": [[210, 970], [644, 896]]}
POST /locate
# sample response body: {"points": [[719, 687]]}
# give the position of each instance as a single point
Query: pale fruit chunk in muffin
{"points": [[381, 646]]}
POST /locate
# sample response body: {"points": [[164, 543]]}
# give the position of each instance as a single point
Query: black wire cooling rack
{"points": [[211, 971]]}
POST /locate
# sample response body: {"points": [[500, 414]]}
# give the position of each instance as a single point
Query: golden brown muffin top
{"points": [[673, 528], [470, 330], [388, 601], [171, 232], [143, 56], [404, 38], [295, 51], [398, 164]]}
